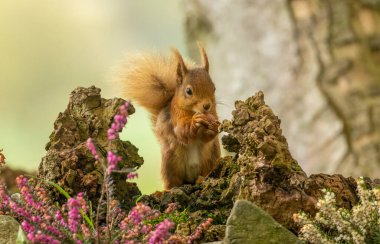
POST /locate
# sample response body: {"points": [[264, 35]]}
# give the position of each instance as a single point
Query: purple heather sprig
{"points": [[119, 121], [138, 213], [171, 207], [60, 219], [26, 192], [162, 232], [4, 198], [74, 214], [86, 231], [112, 159], [2, 158], [44, 223], [198, 232], [40, 237], [91, 147], [82, 202], [33, 212]]}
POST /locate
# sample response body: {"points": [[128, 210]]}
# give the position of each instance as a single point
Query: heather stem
{"points": [[108, 210], [107, 195], [98, 209]]}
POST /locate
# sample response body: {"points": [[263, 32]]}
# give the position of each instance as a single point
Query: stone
{"points": [[9, 229], [249, 224]]}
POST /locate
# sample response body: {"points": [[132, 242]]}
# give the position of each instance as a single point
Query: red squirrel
{"points": [[181, 100]]}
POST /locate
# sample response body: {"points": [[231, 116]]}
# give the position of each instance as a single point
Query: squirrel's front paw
{"points": [[210, 122], [200, 119], [205, 125]]}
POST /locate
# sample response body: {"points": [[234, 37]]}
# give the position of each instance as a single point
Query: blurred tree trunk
{"points": [[318, 63]]}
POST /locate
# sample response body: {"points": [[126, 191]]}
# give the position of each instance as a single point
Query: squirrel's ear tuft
{"points": [[181, 67], [204, 56]]}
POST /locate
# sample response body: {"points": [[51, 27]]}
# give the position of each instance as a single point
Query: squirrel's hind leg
{"points": [[172, 172], [212, 154]]}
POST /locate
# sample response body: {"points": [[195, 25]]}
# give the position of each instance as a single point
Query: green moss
{"points": [[234, 168], [219, 216], [175, 216], [296, 167], [281, 161]]}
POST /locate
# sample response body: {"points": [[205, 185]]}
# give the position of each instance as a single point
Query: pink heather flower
{"points": [[112, 159], [41, 193], [60, 219], [198, 232], [112, 134], [132, 175], [82, 202], [53, 230], [119, 121], [20, 211], [86, 232], [36, 219], [74, 214], [2, 158], [171, 207], [124, 108], [40, 237], [91, 147], [135, 216], [162, 232], [26, 192], [4, 198], [27, 227]]}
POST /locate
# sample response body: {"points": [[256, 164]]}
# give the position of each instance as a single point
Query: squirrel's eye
{"points": [[189, 91]]}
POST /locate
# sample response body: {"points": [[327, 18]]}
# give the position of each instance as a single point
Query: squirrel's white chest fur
{"points": [[192, 162]]}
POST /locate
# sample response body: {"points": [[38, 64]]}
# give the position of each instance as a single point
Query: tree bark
{"points": [[317, 61]]}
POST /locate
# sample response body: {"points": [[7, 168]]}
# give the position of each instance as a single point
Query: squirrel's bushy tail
{"points": [[149, 79]]}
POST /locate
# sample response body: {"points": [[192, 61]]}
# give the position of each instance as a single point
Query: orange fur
{"points": [[149, 80], [185, 123]]}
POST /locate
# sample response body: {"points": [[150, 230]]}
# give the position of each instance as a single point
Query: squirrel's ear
{"points": [[181, 67], [204, 56]]}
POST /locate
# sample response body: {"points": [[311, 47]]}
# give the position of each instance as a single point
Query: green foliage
{"points": [[218, 217], [89, 220], [21, 238], [175, 216]]}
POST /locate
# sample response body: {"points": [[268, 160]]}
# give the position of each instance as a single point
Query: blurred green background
{"points": [[49, 47]]}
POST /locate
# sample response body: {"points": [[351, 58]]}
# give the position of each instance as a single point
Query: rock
{"points": [[268, 175], [250, 224], [69, 163], [9, 229]]}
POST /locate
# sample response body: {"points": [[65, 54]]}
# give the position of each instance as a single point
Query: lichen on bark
{"points": [[68, 161]]}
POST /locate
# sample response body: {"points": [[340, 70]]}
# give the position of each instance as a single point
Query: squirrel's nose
{"points": [[206, 106]]}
